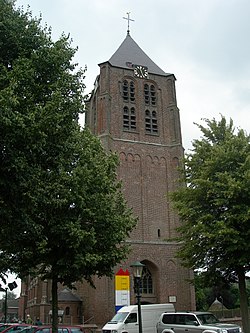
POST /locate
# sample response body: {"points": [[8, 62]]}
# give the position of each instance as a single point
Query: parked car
{"points": [[61, 329], [193, 322], [28, 329], [11, 328], [4, 326]]}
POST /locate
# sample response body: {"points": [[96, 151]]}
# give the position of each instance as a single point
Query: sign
{"points": [[122, 289]]}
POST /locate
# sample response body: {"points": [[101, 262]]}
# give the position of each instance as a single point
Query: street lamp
{"points": [[137, 273], [11, 286]]}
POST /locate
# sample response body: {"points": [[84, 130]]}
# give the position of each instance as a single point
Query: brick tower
{"points": [[133, 111]]}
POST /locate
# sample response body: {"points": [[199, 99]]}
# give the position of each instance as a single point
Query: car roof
{"points": [[59, 326], [188, 312]]}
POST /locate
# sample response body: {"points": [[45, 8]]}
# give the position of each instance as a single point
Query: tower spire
{"points": [[128, 19]]}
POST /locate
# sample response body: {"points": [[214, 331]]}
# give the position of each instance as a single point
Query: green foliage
{"points": [[214, 206], [62, 212], [208, 288], [11, 295]]}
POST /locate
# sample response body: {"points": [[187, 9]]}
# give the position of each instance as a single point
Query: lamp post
{"points": [[137, 273], [11, 286]]}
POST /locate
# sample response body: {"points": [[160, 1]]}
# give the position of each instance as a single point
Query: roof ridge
{"points": [[129, 52]]}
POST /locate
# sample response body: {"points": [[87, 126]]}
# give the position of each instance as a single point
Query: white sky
{"points": [[11, 278], [205, 43]]}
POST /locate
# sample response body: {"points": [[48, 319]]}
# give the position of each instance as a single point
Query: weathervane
{"points": [[128, 19]]}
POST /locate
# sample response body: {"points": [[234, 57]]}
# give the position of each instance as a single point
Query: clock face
{"points": [[140, 71]]}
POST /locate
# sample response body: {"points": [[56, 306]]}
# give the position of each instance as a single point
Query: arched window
{"points": [[128, 91], [149, 94], [132, 91], [146, 94], [154, 122], [67, 311], [78, 311], [129, 118], [151, 126], [146, 281], [153, 95], [125, 90]]}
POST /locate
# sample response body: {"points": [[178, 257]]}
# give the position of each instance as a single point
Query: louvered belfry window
{"points": [[151, 125], [129, 112]]}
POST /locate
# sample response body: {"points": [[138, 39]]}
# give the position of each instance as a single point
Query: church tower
{"points": [[133, 110]]}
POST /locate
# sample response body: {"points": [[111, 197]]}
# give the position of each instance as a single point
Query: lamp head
{"points": [[137, 269]]}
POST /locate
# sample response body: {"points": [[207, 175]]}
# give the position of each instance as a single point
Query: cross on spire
{"points": [[128, 19]]}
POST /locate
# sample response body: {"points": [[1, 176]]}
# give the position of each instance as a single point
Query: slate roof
{"points": [[67, 295], [129, 52]]}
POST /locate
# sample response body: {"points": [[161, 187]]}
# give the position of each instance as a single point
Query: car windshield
{"points": [[207, 318], [119, 317], [16, 328]]}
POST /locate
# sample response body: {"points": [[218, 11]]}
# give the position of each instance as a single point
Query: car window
{"points": [[168, 319], [207, 318], [29, 330], [43, 330], [63, 330], [119, 317], [132, 318], [15, 328], [76, 330], [180, 319], [190, 320]]}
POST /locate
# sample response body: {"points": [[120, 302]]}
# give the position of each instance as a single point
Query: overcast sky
{"points": [[204, 43]]}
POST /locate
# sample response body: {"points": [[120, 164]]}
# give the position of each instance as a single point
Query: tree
{"points": [[208, 288], [214, 206], [63, 215], [10, 295]]}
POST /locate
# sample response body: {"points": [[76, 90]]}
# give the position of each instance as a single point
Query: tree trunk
{"points": [[243, 300], [54, 305]]}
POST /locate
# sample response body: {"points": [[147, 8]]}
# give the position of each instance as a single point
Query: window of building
{"points": [[128, 91], [67, 311], [146, 94], [146, 281], [153, 95], [125, 90], [132, 91], [149, 94], [151, 126], [129, 118], [129, 111]]}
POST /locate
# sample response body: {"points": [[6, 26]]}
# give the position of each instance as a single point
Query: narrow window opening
{"points": [[125, 90], [146, 281], [151, 125], [132, 91], [146, 94], [129, 118]]}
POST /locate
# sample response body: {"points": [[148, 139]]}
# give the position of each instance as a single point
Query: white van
{"points": [[126, 319]]}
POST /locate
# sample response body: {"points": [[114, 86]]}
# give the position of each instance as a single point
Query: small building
{"points": [[12, 310], [69, 307]]}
